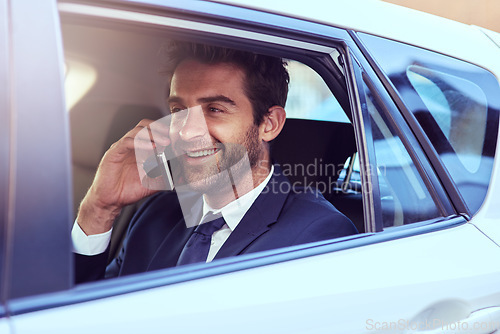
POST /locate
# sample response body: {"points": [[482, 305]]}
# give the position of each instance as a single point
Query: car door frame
{"points": [[38, 213], [5, 140]]}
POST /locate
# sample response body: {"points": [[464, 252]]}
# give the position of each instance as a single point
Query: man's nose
{"points": [[194, 124]]}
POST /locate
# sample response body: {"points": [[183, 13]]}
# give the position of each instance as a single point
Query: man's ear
{"points": [[273, 123]]}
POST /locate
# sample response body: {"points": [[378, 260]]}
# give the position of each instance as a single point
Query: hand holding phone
{"points": [[152, 158]]}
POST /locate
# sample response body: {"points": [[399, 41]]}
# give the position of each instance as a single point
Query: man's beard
{"points": [[229, 166]]}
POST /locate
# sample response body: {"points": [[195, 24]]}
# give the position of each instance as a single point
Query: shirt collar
{"points": [[234, 211]]}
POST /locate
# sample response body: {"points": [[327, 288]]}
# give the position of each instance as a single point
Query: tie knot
{"points": [[209, 224]]}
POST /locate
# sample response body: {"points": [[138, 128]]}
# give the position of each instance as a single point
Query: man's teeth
{"points": [[202, 153]]}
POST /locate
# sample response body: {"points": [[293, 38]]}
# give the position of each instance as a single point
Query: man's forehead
{"points": [[206, 80], [192, 64]]}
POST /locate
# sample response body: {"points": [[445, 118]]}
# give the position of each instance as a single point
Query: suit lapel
{"points": [[262, 214], [258, 220], [170, 249]]}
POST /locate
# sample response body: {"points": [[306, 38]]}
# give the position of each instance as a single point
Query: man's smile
{"points": [[202, 153]]}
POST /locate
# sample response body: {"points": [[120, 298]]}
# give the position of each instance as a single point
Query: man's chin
{"points": [[208, 183], [218, 177]]}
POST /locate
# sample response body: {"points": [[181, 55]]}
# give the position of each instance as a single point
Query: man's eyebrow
{"points": [[208, 99], [217, 98], [174, 99]]}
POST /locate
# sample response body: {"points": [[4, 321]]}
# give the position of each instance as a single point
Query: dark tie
{"points": [[198, 245]]}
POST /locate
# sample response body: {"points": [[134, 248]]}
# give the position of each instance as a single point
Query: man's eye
{"points": [[215, 110], [173, 110]]}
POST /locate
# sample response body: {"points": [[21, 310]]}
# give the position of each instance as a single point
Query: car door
{"points": [[415, 266]]}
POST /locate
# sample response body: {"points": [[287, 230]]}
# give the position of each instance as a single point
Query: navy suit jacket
{"points": [[280, 216]]}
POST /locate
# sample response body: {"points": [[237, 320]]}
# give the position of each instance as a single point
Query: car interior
{"points": [[113, 81]]}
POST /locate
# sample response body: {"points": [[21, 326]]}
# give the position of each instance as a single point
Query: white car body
{"points": [[440, 280]]}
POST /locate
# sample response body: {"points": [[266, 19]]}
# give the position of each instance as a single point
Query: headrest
{"points": [[313, 151]]}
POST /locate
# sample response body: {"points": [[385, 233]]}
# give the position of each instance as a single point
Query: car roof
{"points": [[391, 21]]}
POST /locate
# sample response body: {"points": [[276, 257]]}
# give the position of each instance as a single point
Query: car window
{"points": [[454, 102], [310, 98], [399, 194], [403, 196], [110, 89], [459, 107]]}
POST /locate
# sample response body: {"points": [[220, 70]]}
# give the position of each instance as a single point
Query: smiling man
{"points": [[226, 106], [216, 129]]}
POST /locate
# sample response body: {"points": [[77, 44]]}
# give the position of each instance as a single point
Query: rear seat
{"points": [[312, 154]]}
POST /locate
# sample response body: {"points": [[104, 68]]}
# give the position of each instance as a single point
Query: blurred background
{"points": [[484, 13]]}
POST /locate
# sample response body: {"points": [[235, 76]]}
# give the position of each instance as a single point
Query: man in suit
{"points": [[226, 107]]}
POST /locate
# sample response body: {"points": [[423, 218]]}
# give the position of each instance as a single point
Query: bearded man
{"points": [[226, 106]]}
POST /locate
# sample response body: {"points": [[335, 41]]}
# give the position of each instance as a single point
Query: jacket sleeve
{"points": [[89, 268], [332, 226]]}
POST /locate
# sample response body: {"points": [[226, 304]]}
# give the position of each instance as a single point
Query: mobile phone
{"points": [[162, 162], [158, 165]]}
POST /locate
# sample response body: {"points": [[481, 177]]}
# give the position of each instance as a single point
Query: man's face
{"points": [[212, 125]]}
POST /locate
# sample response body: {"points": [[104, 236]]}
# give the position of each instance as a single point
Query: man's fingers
{"points": [[153, 132], [146, 139]]}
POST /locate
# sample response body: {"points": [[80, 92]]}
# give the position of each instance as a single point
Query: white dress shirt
{"points": [[232, 214]]}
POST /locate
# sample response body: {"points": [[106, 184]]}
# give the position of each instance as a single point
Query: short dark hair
{"points": [[266, 81]]}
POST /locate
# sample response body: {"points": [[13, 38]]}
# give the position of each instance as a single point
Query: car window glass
{"points": [[455, 103], [310, 98], [403, 196], [459, 108]]}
